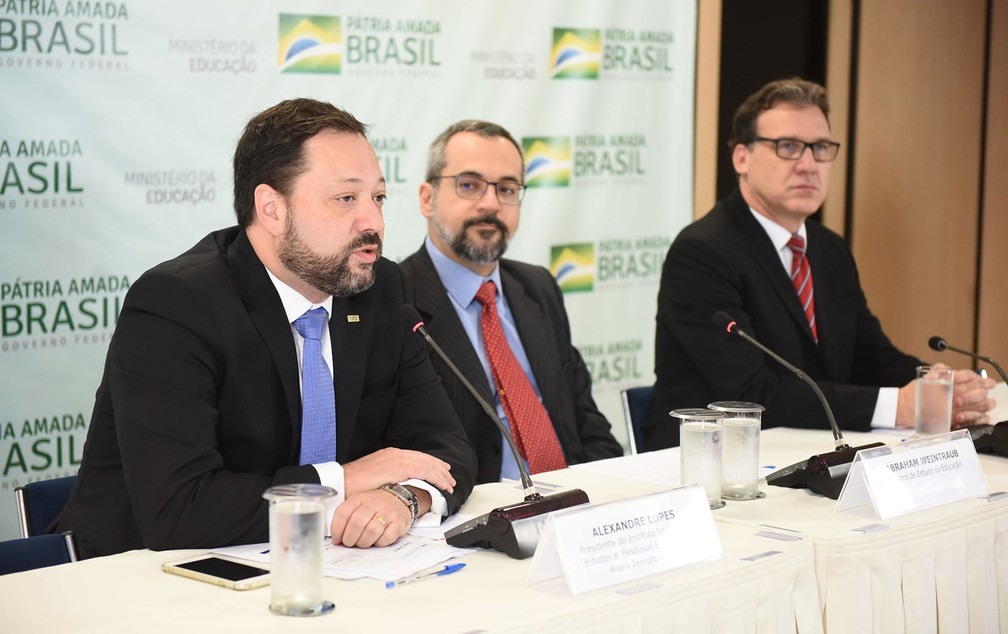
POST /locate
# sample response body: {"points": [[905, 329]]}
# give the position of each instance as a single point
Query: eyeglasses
{"points": [[473, 188], [792, 149]]}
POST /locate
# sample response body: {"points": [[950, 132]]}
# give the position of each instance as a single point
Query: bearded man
{"points": [[274, 352], [502, 322]]}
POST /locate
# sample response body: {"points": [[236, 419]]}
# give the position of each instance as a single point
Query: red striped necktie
{"points": [[530, 423], [801, 278]]}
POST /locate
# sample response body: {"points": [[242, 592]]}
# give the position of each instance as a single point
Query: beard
{"points": [[487, 250], [333, 274]]}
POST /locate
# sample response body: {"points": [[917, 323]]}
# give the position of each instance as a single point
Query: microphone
{"points": [[514, 529], [986, 438], [938, 344], [822, 473]]}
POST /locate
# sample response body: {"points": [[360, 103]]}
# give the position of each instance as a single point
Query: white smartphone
{"points": [[220, 571]]}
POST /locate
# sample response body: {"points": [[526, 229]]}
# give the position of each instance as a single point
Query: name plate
{"points": [[914, 475], [599, 546]]}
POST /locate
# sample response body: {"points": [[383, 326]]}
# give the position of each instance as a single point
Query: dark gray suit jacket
{"points": [[725, 261], [537, 305], [199, 409]]}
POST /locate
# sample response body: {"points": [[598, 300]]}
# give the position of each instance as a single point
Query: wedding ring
{"points": [[381, 520]]}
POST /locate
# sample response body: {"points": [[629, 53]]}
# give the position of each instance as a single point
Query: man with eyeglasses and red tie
{"points": [[790, 283], [502, 322]]}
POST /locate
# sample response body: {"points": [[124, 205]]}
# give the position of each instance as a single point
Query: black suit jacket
{"points": [[199, 408], [564, 382], [725, 261]]}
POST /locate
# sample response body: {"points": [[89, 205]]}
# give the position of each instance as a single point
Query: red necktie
{"points": [[530, 424], [801, 277]]}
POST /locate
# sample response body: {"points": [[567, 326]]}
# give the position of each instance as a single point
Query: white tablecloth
{"points": [[940, 570], [129, 593]]}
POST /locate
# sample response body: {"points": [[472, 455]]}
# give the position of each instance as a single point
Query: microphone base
{"points": [[992, 439], [514, 529], [824, 474]]}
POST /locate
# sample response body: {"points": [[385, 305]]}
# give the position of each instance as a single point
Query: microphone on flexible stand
{"points": [[938, 344], [513, 529], [986, 438], [822, 473]]}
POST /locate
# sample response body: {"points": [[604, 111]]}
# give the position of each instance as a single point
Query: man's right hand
{"points": [[396, 465]]}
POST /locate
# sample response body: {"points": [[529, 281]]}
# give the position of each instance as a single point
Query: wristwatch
{"points": [[405, 496]]}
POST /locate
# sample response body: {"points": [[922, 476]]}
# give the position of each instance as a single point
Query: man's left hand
{"points": [[970, 403]]}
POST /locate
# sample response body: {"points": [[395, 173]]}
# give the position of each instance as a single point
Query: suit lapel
{"points": [[350, 329], [825, 304], [762, 250], [266, 312], [533, 329], [443, 324]]}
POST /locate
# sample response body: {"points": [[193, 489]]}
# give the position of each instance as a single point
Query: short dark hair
{"points": [[794, 91], [436, 154], [271, 149]]}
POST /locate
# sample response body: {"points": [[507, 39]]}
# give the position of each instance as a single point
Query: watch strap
{"points": [[405, 496]]}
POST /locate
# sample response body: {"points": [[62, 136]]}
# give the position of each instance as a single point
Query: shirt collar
{"points": [[778, 234], [295, 304], [461, 282]]}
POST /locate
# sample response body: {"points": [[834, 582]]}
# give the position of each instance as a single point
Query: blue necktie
{"points": [[318, 402]]}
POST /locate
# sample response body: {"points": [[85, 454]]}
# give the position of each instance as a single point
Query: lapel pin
{"points": [[352, 319]]}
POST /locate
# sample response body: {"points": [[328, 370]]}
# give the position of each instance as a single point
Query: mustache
{"points": [[489, 219], [363, 240]]}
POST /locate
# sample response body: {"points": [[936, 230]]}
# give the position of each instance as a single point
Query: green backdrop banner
{"points": [[119, 120]]}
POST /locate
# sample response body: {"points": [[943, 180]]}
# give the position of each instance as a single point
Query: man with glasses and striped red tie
{"points": [[788, 281], [502, 322]]}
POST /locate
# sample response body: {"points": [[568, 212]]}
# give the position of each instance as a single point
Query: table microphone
{"points": [[938, 344], [513, 529], [822, 473], [986, 438]]}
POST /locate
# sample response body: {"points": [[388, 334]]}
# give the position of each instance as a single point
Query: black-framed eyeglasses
{"points": [[792, 149], [473, 187]]}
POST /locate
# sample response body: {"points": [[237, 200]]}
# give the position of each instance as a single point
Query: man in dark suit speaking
{"points": [[270, 353], [791, 284], [501, 322]]}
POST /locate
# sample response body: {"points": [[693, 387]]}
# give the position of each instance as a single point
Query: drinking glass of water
{"points": [[700, 450], [296, 530], [740, 432], [933, 400]]}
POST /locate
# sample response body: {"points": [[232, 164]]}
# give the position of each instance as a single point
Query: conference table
{"points": [[758, 585], [938, 570], [943, 569]]}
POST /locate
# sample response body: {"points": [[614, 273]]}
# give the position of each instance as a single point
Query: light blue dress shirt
{"points": [[462, 285]]}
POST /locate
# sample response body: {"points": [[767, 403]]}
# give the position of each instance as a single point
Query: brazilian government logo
{"points": [[573, 266], [310, 44], [576, 54], [547, 161]]}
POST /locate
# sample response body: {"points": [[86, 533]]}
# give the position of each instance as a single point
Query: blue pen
{"points": [[447, 570]]}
